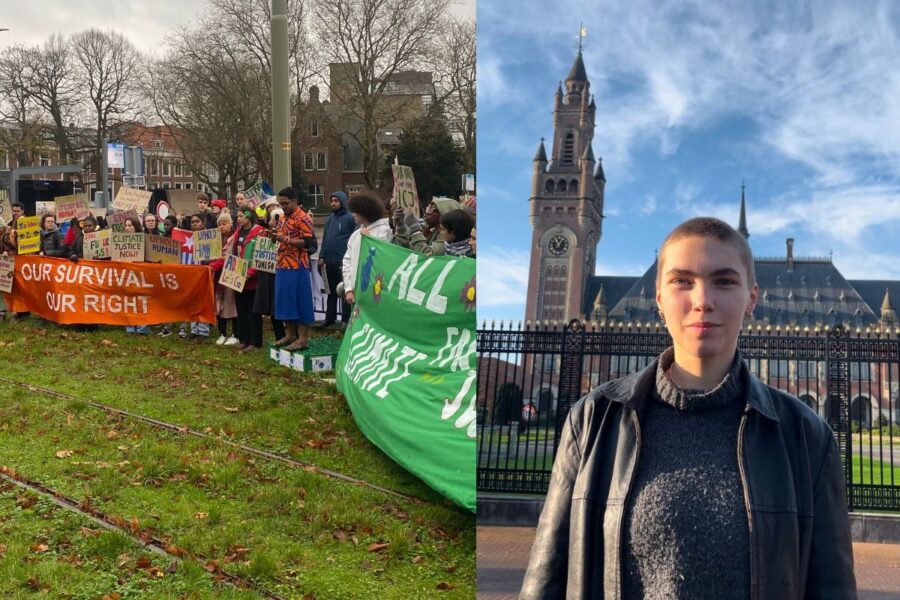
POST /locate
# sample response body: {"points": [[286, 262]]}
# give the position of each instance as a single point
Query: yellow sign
{"points": [[29, 234], [285, 145]]}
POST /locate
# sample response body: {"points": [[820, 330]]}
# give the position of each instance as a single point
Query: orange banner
{"points": [[112, 293]]}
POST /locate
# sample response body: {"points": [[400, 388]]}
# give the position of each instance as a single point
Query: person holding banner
{"points": [[428, 241], [369, 213], [51, 238], [293, 285], [242, 244], [226, 310], [264, 300]]}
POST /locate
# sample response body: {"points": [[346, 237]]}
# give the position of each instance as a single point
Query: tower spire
{"points": [[541, 154], [742, 225]]}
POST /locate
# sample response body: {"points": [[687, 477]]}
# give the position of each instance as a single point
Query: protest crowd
{"points": [[264, 257]]}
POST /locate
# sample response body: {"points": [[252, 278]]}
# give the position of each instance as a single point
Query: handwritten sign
{"points": [[45, 208], [163, 250], [265, 253], [67, 207], [7, 272], [117, 220], [406, 196], [234, 273], [5, 208], [29, 235], [128, 247], [207, 245], [96, 244], [132, 199]]}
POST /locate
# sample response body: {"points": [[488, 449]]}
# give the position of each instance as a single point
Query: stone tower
{"points": [[566, 206]]}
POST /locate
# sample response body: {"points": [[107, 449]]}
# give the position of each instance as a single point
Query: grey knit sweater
{"points": [[686, 532]]}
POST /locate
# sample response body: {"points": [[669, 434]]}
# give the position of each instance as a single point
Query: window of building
{"points": [[568, 154], [859, 370], [314, 128], [166, 169], [154, 168], [807, 369], [308, 164], [156, 144], [167, 185], [321, 161], [177, 170], [45, 160], [778, 368], [188, 185], [177, 185], [187, 170], [316, 195]]}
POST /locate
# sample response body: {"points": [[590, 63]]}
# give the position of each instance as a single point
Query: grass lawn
{"points": [[869, 471], [293, 532]]}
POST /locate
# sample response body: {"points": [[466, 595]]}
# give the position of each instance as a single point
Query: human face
{"points": [[129, 226], [17, 211], [168, 226], [445, 234], [240, 200], [196, 224], [432, 216], [49, 223], [215, 209], [704, 296], [88, 226], [225, 227], [287, 205], [242, 220], [335, 204], [202, 205], [150, 223]]}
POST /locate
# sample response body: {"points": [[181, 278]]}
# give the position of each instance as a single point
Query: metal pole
{"points": [[281, 140], [104, 168]]}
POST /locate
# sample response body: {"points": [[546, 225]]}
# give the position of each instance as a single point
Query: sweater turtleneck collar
{"points": [[730, 388]]}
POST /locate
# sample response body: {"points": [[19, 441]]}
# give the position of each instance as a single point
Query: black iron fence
{"points": [[529, 377]]}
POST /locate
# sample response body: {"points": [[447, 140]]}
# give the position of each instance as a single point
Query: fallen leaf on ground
{"points": [[231, 409], [200, 515], [90, 532], [446, 586], [64, 454], [376, 547], [113, 596], [40, 548]]}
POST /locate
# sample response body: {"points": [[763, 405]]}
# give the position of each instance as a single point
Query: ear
{"points": [[754, 296]]}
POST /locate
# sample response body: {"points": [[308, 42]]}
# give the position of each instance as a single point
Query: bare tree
{"points": [[454, 71], [224, 62], [379, 38], [108, 69], [22, 131]]}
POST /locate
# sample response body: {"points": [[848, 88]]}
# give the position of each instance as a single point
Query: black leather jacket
{"points": [[790, 468]]}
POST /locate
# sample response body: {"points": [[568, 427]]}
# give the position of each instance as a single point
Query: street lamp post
{"points": [[281, 141]]}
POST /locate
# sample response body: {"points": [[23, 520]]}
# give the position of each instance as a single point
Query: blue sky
{"points": [[799, 99]]}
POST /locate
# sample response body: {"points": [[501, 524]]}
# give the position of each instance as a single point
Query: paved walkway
{"points": [[502, 554]]}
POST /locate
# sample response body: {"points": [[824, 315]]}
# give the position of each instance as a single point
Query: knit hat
{"points": [[219, 202]]}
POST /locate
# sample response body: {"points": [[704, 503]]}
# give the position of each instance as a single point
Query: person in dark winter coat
{"points": [[51, 238], [338, 227], [692, 479]]}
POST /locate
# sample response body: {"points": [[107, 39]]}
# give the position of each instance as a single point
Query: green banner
{"points": [[407, 363]]}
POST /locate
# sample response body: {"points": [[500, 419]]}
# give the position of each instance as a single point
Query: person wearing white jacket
{"points": [[369, 213]]}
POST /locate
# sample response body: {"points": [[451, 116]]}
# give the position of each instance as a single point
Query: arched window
{"points": [[549, 187], [568, 153], [561, 186], [573, 185]]}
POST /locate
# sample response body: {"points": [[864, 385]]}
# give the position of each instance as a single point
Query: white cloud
{"points": [[502, 277]]}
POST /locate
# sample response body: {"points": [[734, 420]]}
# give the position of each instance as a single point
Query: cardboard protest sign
{"points": [[258, 194], [67, 207], [406, 196], [5, 208], [407, 364], [96, 244], [7, 269], [117, 220], [45, 208], [128, 247], [234, 273], [28, 234], [265, 253], [162, 250], [207, 245], [132, 199], [111, 293]]}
